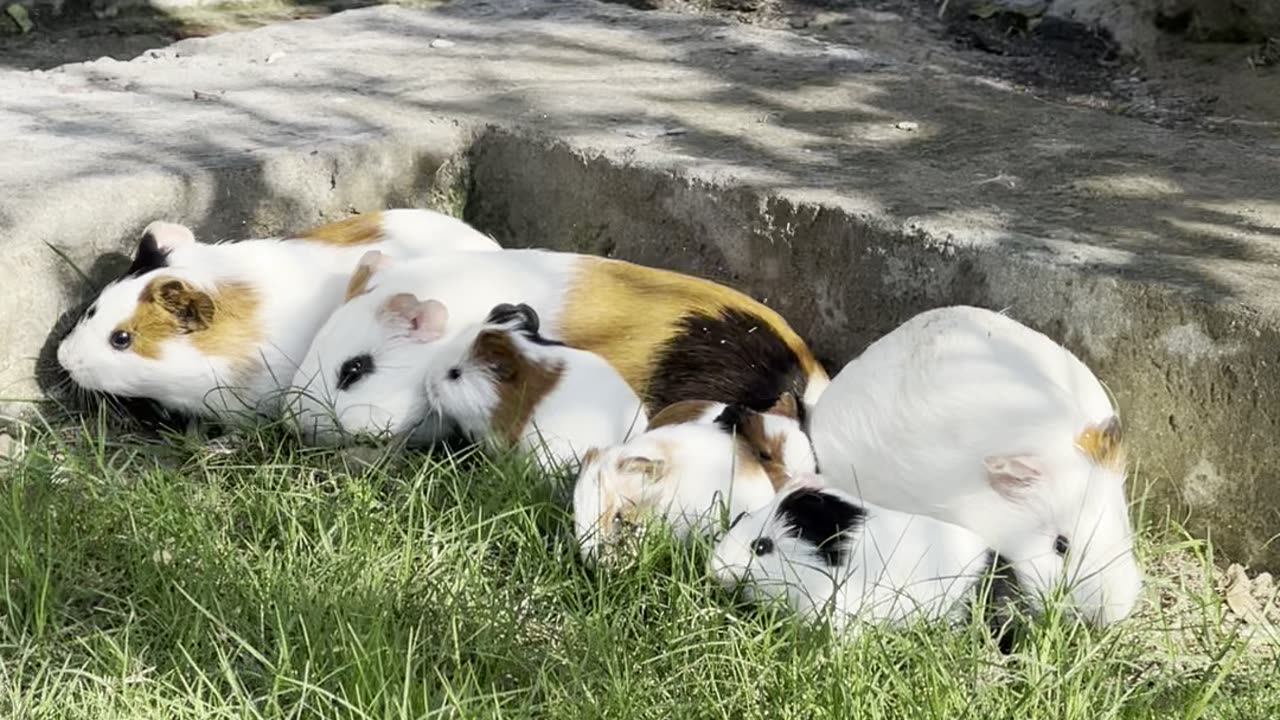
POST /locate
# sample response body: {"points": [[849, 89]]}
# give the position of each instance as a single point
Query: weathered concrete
{"points": [[849, 187]]}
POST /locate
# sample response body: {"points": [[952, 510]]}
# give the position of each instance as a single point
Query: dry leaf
{"points": [[1239, 596]]}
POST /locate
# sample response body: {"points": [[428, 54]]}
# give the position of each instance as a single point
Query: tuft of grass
{"points": [[158, 579]]}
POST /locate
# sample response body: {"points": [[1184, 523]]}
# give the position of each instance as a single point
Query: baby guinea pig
{"points": [[670, 336], [970, 417], [503, 382], [822, 550], [217, 330], [693, 459]]}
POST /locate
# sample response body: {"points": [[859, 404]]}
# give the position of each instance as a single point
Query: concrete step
{"points": [[849, 187]]}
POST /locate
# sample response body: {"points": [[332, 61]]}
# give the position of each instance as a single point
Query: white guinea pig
{"points": [[970, 417], [670, 336], [823, 550], [693, 460], [503, 382], [217, 330]]}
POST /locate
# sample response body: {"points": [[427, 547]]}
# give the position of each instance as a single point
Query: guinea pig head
{"points": [[362, 375], [774, 439], [615, 487], [486, 382], [1072, 539], [164, 330], [795, 548]]}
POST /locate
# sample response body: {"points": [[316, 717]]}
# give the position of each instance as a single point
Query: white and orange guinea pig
{"points": [[669, 336], [696, 461], [825, 552], [970, 417], [503, 383], [218, 330]]}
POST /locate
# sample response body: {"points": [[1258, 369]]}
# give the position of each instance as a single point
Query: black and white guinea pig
{"points": [[670, 336], [822, 550], [695, 458], [971, 417], [217, 330], [503, 382]]}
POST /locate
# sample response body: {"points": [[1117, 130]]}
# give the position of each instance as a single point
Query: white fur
{"points": [[920, 420], [686, 474], [590, 406], [392, 400], [899, 567], [300, 283]]}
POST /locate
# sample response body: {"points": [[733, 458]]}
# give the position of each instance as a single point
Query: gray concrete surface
{"points": [[847, 186]]}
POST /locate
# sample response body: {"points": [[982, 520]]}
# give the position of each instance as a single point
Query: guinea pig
{"points": [[684, 471], [503, 382], [825, 551], [669, 335], [217, 330], [970, 417]]}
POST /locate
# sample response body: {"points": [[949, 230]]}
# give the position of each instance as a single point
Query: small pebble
{"points": [[907, 125], [442, 43], [275, 56]]}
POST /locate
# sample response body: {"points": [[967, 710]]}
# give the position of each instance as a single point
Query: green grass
{"points": [[161, 580]]}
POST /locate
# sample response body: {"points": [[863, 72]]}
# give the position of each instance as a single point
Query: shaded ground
{"points": [[1229, 87]]}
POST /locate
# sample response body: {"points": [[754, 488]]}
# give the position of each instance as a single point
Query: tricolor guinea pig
{"points": [[822, 550], [970, 417], [503, 382], [695, 460], [217, 330], [669, 335]]}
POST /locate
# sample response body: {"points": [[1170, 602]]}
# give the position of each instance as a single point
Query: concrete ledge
{"points": [[848, 187]]}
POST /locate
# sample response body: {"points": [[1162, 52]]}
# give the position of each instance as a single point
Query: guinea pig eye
{"points": [[1060, 545], [354, 369], [765, 456], [762, 546], [454, 373], [93, 310], [120, 339]]}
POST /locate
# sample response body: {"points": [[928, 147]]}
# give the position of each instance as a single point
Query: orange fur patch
{"points": [[359, 282], [522, 383], [757, 449], [626, 313], [221, 323], [1103, 443], [679, 413], [359, 229]]}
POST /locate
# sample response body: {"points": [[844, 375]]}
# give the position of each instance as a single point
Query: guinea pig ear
{"points": [[191, 307], [785, 406], [1013, 475], [158, 240], [421, 321], [371, 262], [520, 317], [648, 469]]}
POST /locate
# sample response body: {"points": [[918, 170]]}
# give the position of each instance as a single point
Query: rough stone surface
{"points": [[1137, 24], [758, 157]]}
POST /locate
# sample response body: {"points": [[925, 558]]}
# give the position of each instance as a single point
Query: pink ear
{"points": [[1013, 475], [169, 235], [423, 321]]}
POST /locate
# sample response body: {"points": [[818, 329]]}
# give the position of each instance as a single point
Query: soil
{"points": [[1231, 88]]}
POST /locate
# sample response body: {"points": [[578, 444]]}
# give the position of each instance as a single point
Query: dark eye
{"points": [[93, 310], [454, 373], [765, 456], [354, 369], [121, 339], [762, 546], [1060, 545]]}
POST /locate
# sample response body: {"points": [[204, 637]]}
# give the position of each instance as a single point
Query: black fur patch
{"points": [[999, 592], [730, 419], [523, 319], [824, 520], [149, 257], [733, 358]]}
